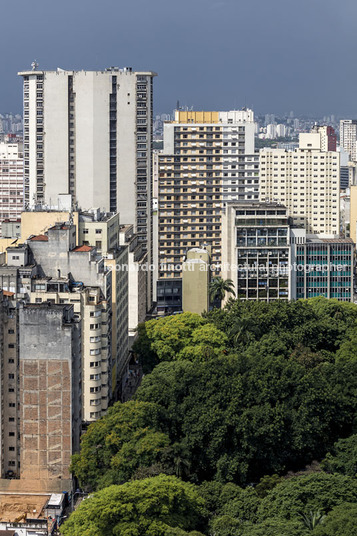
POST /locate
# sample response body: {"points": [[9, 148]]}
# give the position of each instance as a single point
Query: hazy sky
{"points": [[272, 55]]}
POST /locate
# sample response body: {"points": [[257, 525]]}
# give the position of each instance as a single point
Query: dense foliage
{"points": [[343, 457], [232, 402], [149, 507]]}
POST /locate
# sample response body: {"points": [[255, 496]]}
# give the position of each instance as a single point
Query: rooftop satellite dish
{"points": [[34, 65]]}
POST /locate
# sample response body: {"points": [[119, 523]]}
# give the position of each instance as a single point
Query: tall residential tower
{"points": [[208, 159], [89, 134]]}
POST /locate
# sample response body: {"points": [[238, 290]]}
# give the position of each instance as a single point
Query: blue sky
{"points": [[274, 56]]}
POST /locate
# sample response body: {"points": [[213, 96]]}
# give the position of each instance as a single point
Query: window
{"points": [[11, 376], [95, 376], [98, 231]]}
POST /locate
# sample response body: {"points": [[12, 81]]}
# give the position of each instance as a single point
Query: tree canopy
{"points": [[151, 507], [114, 447], [343, 457], [232, 403]]}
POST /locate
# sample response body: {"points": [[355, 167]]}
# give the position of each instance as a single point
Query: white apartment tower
{"points": [[307, 182], [89, 134], [11, 181], [348, 137]]}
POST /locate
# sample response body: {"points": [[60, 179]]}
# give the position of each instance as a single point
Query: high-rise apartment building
{"points": [[41, 393], [306, 181], [208, 159], [348, 137], [89, 133], [11, 181], [49, 378], [328, 137], [256, 250]]}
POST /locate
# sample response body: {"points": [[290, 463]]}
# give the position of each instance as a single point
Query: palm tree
{"points": [[219, 287], [312, 519]]}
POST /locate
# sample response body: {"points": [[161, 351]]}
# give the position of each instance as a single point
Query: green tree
{"points": [[276, 527], [184, 336], [348, 349], [219, 288], [315, 492], [207, 341], [226, 526], [114, 447], [252, 413], [341, 521], [164, 338], [243, 506], [266, 484], [343, 457], [147, 507]]}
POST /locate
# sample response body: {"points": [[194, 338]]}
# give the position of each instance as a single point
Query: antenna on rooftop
{"points": [[34, 65]]}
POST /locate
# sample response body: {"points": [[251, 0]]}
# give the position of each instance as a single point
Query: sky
{"points": [[271, 55]]}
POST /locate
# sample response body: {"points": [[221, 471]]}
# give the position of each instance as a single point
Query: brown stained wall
{"points": [[45, 417]]}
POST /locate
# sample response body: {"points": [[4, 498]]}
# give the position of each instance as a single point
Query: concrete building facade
{"points": [[256, 250], [207, 160], [12, 189], [89, 134], [324, 267], [306, 181], [138, 274], [348, 137], [195, 281], [49, 375]]}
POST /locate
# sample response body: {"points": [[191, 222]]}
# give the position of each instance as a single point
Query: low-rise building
{"points": [[323, 267], [195, 281]]}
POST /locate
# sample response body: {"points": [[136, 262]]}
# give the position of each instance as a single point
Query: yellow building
{"points": [[38, 222], [195, 281]]}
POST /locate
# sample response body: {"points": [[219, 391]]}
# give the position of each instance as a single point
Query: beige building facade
{"points": [[195, 281], [306, 181]]}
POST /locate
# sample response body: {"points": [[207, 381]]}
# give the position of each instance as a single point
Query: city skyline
{"points": [[280, 58]]}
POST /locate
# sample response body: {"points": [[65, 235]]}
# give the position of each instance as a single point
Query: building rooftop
{"points": [[17, 508], [331, 240], [39, 238], [83, 248], [128, 70], [60, 226], [255, 204], [8, 293]]}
